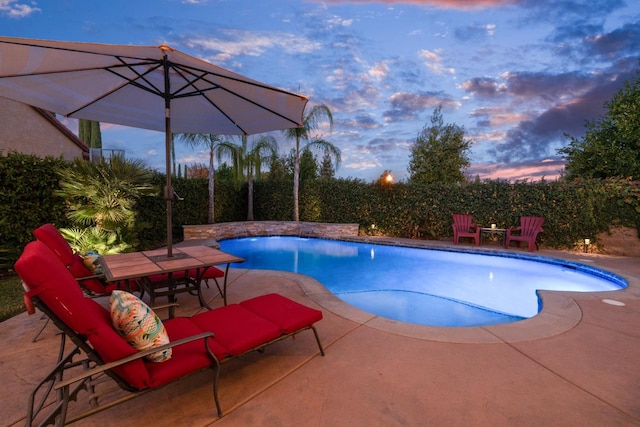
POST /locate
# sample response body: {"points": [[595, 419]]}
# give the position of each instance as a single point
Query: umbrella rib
{"points": [[151, 87], [188, 83], [67, 49], [75, 70], [126, 81], [197, 91], [189, 70]]}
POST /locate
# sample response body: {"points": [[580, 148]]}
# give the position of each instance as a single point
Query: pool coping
{"points": [[560, 312]]}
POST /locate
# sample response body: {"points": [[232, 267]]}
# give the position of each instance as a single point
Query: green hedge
{"points": [[27, 184], [573, 210], [229, 206]]}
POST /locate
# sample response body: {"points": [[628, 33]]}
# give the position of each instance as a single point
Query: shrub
{"points": [[573, 210]]}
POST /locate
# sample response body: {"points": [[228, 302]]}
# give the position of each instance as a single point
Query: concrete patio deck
{"points": [[577, 363]]}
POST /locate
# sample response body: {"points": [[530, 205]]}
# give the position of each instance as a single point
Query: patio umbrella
{"points": [[148, 87]]}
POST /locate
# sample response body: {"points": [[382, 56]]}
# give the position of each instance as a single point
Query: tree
{"points": [[225, 173], [308, 166], [211, 142], [89, 132], [278, 170], [101, 198], [326, 167], [440, 153], [261, 152], [310, 123], [611, 145], [249, 160], [197, 170]]}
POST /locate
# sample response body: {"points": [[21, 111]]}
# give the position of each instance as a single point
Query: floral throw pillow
{"points": [[91, 260], [138, 324]]}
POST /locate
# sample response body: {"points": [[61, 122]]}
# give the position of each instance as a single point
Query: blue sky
{"points": [[516, 74]]}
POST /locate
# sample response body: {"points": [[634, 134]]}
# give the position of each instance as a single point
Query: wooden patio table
{"points": [[141, 265]]}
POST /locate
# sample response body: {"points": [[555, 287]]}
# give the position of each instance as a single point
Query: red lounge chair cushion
{"points": [[143, 374], [212, 273], [236, 328], [289, 315], [164, 277], [111, 347], [186, 358], [52, 283], [55, 241], [50, 236]]}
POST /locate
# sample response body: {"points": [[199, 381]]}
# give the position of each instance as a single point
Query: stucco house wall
{"points": [[30, 130]]}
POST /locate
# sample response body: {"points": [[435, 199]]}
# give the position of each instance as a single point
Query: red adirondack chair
{"points": [[463, 226], [528, 231]]}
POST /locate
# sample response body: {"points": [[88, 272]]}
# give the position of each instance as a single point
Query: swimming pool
{"points": [[424, 286]]}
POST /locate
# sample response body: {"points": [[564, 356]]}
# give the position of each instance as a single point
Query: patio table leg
{"points": [[198, 286]]}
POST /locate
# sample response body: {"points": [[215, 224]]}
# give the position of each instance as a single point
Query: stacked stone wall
{"points": [[227, 230]]}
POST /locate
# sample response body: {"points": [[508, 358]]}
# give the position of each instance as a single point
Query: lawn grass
{"points": [[11, 302]]}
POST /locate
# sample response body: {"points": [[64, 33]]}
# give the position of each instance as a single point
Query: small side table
{"points": [[500, 232]]}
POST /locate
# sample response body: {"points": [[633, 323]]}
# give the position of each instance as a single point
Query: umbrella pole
{"points": [[168, 189]]}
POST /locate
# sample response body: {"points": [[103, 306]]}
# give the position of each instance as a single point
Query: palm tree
{"points": [[211, 142], [310, 123], [102, 196], [249, 160]]}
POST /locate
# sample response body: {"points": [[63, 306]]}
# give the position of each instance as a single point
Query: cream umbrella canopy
{"points": [[148, 87]]}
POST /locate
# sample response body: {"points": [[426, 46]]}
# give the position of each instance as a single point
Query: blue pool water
{"points": [[424, 286]]}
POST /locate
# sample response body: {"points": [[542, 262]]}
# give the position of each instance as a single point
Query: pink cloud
{"points": [[549, 169], [445, 4]]}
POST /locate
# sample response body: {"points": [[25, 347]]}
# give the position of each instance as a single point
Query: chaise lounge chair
{"points": [[94, 284], [200, 342], [463, 226], [527, 231], [91, 283]]}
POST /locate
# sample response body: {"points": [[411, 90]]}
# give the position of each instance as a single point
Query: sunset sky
{"points": [[516, 74]]}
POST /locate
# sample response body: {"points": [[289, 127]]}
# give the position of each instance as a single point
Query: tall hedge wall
{"points": [[573, 210], [230, 205], [26, 201]]}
